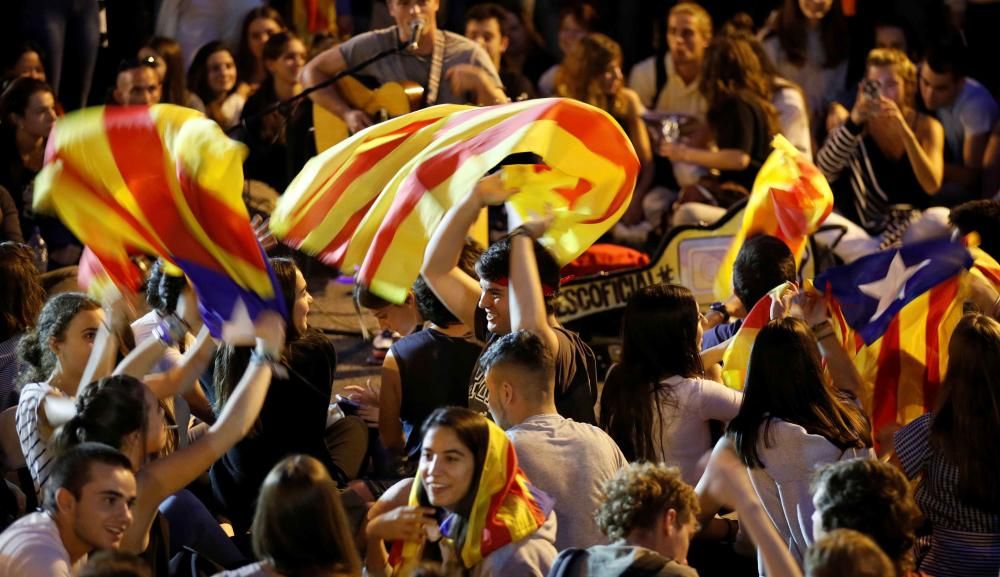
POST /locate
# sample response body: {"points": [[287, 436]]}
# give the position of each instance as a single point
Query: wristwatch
{"points": [[720, 308]]}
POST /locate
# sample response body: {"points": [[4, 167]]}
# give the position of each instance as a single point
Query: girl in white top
{"points": [[656, 403], [792, 420]]}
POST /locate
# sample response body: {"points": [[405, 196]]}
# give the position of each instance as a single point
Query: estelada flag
{"points": [[161, 180], [374, 199], [895, 312], [789, 200]]}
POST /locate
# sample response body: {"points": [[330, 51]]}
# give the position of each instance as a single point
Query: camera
{"points": [[872, 89]]}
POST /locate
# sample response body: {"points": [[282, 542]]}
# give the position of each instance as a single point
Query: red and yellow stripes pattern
{"points": [[373, 200], [161, 180], [789, 200], [505, 509]]}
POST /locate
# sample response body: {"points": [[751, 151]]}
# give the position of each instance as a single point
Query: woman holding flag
{"points": [[470, 506]]}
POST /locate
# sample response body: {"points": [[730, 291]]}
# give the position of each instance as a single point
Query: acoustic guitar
{"points": [[381, 103]]}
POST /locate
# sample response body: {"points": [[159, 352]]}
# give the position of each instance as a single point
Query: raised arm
{"points": [[527, 304], [161, 478], [390, 429], [924, 146], [180, 378], [457, 290], [727, 483]]}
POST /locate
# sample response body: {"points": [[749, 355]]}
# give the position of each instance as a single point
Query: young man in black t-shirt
{"points": [[516, 288]]}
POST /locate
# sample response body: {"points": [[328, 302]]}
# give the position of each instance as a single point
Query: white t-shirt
{"points": [[31, 547], [820, 85], [685, 438], [783, 483], [676, 96], [569, 461], [974, 112]]}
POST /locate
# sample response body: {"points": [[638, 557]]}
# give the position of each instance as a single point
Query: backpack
{"points": [[568, 562]]}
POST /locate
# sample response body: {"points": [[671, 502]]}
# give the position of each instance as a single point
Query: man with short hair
{"points": [[873, 498], [137, 83], [87, 506], [763, 263], [967, 112], [452, 69], [485, 24], [516, 288], [568, 460], [649, 514]]}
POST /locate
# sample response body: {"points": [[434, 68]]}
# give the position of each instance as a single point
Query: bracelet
{"points": [[261, 357], [521, 230], [823, 329]]}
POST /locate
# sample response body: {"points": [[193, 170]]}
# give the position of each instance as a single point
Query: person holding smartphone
{"points": [[885, 162]]}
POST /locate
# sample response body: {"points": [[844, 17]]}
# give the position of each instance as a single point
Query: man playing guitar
{"points": [[451, 68]]}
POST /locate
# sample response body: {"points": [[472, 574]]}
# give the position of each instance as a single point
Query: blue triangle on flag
{"points": [[873, 289]]}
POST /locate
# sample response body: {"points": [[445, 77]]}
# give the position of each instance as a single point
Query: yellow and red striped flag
{"points": [[737, 355], [161, 180], [789, 200], [374, 199], [506, 509]]}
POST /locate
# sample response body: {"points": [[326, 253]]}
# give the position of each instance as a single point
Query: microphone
{"points": [[416, 30]]}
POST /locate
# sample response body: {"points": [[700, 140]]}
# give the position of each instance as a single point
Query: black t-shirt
{"points": [[576, 375], [292, 421], [741, 124], [434, 371]]}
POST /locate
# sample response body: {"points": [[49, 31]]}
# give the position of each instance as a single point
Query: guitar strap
{"points": [[437, 64]]}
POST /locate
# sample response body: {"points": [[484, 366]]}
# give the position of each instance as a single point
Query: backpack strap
{"points": [[566, 561], [661, 76]]}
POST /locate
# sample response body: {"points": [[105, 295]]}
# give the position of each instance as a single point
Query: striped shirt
{"points": [[10, 368], [35, 448], [866, 183], [965, 540]]}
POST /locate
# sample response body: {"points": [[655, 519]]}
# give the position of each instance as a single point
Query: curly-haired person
{"points": [[649, 514], [873, 498]]}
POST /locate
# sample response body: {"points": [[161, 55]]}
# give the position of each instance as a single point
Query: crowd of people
{"points": [[135, 443]]}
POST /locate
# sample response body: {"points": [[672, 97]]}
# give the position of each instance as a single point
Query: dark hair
{"points": [[638, 495], [947, 56], [246, 62], [581, 75], [982, 217], [232, 361], [472, 430], [18, 93], [174, 84], [969, 408], [792, 32], [20, 50], [659, 340], [22, 296], [763, 263], [584, 14], [846, 552], [275, 45], [889, 19], [300, 527], [197, 77], [874, 498], [114, 563], [528, 354], [107, 411], [71, 470], [163, 290], [488, 11], [494, 265], [56, 315], [785, 381], [730, 71]]}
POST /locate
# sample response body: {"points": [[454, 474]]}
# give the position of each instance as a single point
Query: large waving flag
{"points": [[789, 200], [506, 509], [896, 311], [165, 181], [374, 199]]}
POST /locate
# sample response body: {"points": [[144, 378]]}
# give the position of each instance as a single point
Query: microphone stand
{"points": [[284, 105]]}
